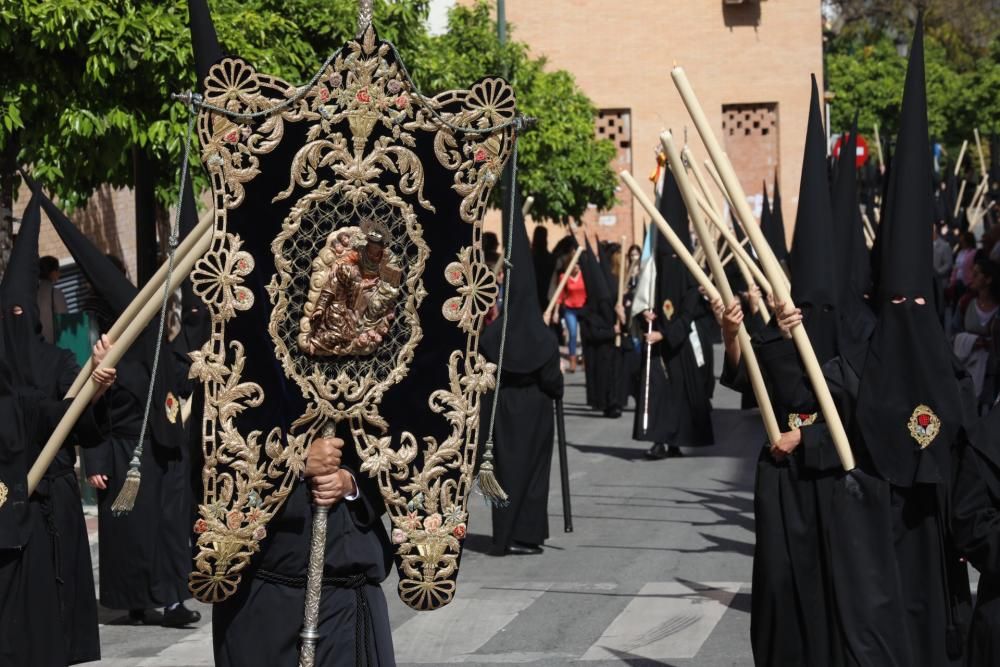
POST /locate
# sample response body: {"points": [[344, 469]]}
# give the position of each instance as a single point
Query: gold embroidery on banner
{"points": [[3, 494], [171, 407], [924, 425], [357, 167]]}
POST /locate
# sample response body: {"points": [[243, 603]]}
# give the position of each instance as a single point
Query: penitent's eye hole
{"points": [[17, 310], [920, 301], [899, 299]]}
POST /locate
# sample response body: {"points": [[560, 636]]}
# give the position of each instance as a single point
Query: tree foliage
{"points": [[866, 65], [85, 82]]}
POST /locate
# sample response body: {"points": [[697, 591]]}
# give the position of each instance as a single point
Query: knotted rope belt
{"points": [[363, 622]]}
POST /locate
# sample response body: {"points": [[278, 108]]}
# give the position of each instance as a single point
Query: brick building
{"points": [[749, 61]]}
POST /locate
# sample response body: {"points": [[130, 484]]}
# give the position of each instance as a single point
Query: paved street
{"points": [[656, 572]]}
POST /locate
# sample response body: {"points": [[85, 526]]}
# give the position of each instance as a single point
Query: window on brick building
{"points": [[615, 125], [750, 133]]}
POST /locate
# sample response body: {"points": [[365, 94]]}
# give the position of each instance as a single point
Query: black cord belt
{"points": [[363, 623]]}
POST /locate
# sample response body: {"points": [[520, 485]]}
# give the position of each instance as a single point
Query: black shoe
{"points": [[674, 452], [657, 451], [613, 412], [145, 617], [179, 617], [518, 549]]}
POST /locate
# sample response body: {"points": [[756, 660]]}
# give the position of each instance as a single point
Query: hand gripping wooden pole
{"points": [[675, 243], [144, 314], [771, 268], [151, 291], [562, 284], [746, 348]]}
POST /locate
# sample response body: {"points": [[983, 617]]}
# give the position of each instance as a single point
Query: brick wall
{"points": [[621, 55]]}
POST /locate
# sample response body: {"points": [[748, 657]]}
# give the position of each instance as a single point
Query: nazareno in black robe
{"points": [[793, 618], [260, 624], [524, 434], [145, 555], [975, 521], [48, 616]]}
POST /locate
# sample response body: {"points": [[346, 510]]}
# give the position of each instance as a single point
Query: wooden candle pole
{"points": [[752, 273], [547, 315], [770, 266], [979, 149], [144, 315], [878, 147], [149, 292], [961, 156], [675, 243], [958, 200], [746, 347]]}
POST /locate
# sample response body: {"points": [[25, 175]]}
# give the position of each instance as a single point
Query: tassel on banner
{"points": [[487, 480], [130, 490]]}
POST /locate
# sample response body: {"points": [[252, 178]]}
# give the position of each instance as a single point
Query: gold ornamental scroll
{"points": [[347, 287]]}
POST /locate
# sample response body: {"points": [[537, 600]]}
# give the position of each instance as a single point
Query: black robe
{"points": [[793, 615], [45, 618], [679, 390], [145, 555], [976, 526], [600, 354], [524, 433], [260, 623], [902, 593]]}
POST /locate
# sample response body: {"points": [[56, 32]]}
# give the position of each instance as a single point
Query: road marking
{"points": [[665, 620], [453, 633]]}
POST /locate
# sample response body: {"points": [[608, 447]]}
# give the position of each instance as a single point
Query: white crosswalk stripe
{"points": [[665, 620]]}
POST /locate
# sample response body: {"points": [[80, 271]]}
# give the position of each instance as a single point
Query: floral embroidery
{"points": [[668, 309], [924, 425], [172, 407], [800, 419], [200, 526]]}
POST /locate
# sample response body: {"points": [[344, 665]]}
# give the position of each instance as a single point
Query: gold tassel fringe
{"points": [[126, 497], [487, 480]]}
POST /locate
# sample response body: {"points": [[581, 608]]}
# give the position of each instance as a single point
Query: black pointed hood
{"points": [[593, 275], [204, 40], [530, 344], [811, 262], [856, 316], [100, 271], [909, 402], [765, 211], [19, 289], [672, 278], [775, 231]]}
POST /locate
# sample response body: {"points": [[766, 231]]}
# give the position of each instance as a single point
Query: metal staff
{"points": [[645, 387], [314, 577], [563, 466], [621, 288]]}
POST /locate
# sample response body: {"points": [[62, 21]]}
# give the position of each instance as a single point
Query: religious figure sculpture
{"points": [[358, 279]]}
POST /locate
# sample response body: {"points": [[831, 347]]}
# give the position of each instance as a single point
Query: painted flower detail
{"points": [[260, 533], [336, 79], [234, 519], [232, 136], [200, 526], [254, 499], [398, 536], [459, 531], [481, 155], [363, 96], [394, 86], [433, 522], [254, 515], [453, 514], [402, 101]]}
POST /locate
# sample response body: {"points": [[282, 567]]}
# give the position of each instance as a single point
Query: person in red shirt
{"points": [[572, 300]]}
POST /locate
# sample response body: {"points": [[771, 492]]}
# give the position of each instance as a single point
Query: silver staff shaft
{"points": [[645, 389], [314, 580]]}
